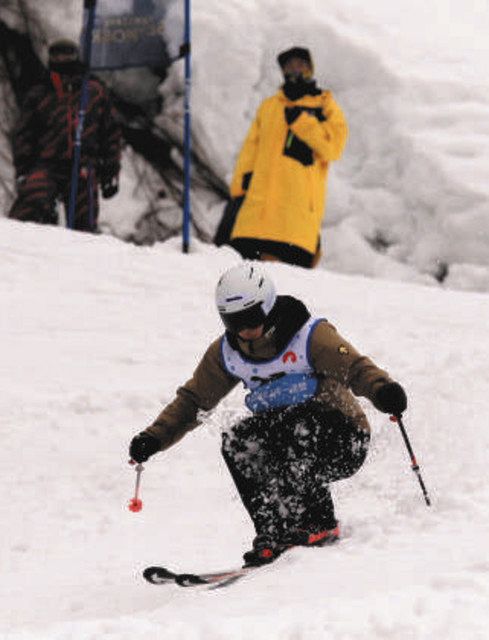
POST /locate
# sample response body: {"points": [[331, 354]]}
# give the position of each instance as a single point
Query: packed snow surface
{"points": [[97, 335]]}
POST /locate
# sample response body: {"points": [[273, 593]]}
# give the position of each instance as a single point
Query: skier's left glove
{"points": [[109, 186], [391, 398], [143, 446]]}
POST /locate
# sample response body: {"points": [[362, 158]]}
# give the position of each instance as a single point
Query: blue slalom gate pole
{"points": [[186, 135], [89, 8]]}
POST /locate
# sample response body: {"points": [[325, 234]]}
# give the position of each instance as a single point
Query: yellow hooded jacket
{"points": [[286, 196]]}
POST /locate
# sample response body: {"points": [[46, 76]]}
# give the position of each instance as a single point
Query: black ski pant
{"points": [[283, 461], [44, 184]]}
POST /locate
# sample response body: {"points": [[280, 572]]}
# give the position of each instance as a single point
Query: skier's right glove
{"points": [[143, 446], [391, 398]]}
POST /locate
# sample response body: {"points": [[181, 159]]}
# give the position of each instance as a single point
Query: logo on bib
{"points": [[290, 355]]}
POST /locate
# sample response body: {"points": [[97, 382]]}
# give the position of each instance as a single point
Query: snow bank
{"points": [[409, 198], [413, 173]]}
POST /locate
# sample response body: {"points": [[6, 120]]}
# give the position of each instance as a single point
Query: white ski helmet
{"points": [[245, 295]]}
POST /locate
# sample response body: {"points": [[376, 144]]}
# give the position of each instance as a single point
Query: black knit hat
{"points": [[295, 52]]}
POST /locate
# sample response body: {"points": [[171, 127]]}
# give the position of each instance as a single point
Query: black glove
{"points": [[143, 446], [317, 113], [391, 398], [109, 186], [245, 181], [292, 113]]}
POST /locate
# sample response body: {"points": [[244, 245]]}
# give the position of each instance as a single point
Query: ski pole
{"points": [[136, 504], [414, 463]]}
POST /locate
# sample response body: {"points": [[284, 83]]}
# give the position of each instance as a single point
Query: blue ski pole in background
{"points": [[185, 49], [89, 8]]}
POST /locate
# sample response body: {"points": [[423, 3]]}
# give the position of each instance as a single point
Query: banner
{"points": [[130, 33], [118, 34]]}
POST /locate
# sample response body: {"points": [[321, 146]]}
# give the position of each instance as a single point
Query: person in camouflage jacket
{"points": [[306, 429], [44, 142]]}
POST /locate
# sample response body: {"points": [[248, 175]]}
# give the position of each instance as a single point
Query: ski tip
{"points": [[158, 575]]}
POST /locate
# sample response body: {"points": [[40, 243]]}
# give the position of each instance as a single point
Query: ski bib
{"points": [[285, 380]]}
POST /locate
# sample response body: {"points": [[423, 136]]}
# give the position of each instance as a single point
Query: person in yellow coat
{"points": [[282, 168]]}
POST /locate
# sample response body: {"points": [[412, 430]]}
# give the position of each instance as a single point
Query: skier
{"points": [[306, 429]]}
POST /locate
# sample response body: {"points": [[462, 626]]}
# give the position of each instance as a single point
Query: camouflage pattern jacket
{"points": [[49, 116]]}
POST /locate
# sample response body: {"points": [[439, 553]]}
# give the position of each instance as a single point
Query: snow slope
{"points": [[97, 334]]}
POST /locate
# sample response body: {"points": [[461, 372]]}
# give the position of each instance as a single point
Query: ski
{"points": [[215, 579]]}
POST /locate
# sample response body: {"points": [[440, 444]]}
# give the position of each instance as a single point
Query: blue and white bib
{"points": [[282, 381]]}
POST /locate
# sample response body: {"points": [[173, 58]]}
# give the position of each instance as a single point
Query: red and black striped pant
{"points": [[44, 185]]}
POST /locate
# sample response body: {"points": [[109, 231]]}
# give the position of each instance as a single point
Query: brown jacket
{"points": [[339, 365]]}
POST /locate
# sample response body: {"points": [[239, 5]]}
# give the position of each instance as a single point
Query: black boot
{"points": [[265, 550]]}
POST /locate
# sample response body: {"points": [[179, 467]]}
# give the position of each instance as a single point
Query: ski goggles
{"points": [[245, 319]]}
